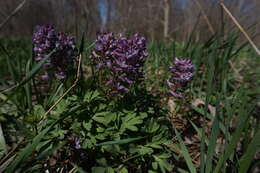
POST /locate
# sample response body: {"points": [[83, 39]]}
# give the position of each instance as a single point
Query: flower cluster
{"points": [[123, 58], [45, 40], [182, 73]]}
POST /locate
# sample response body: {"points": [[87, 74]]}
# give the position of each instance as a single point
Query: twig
{"points": [[61, 170], [73, 85], [72, 170], [240, 28], [19, 7], [205, 17], [8, 89], [11, 152]]}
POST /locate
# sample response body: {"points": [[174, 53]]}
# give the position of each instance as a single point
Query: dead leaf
{"points": [[198, 102]]}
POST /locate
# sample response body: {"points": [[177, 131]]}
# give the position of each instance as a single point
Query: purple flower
{"points": [[61, 62], [182, 73], [123, 59], [77, 143]]}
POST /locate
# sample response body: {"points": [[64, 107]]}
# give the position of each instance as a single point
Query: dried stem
{"points": [[16, 10], [73, 85], [205, 17], [240, 27]]}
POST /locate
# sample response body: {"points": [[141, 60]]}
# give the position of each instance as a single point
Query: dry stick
{"points": [[205, 17], [19, 7], [72, 170], [8, 89], [74, 84], [61, 170], [11, 152], [240, 28]]}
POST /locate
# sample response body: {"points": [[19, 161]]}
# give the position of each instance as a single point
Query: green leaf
{"points": [[185, 153], [151, 126], [164, 156], [62, 107], [81, 47], [181, 170], [50, 150], [29, 76], [109, 170], [102, 161], [3, 146], [87, 144], [38, 112], [4, 165], [155, 165], [34, 168], [210, 117], [198, 130], [104, 117], [91, 96], [156, 145], [242, 121], [151, 171], [24, 154], [101, 136], [212, 142], [87, 125], [102, 170], [144, 150], [121, 141], [123, 170], [100, 129], [163, 164], [28, 88], [248, 156], [42, 144], [55, 95], [143, 115], [98, 170], [130, 122], [27, 151]]}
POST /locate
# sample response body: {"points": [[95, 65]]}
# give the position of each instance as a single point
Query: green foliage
{"points": [[120, 136], [89, 131]]}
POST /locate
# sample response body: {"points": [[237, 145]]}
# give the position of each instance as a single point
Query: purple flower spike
{"points": [[182, 73], [123, 58], [61, 62]]}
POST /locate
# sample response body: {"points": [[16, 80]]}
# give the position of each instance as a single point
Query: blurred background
{"points": [[156, 19]]}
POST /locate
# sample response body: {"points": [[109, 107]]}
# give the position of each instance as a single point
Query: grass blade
{"points": [[27, 151], [10, 66], [212, 143], [28, 90], [185, 153], [29, 76], [3, 148], [199, 131], [6, 163], [242, 121], [247, 158]]}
